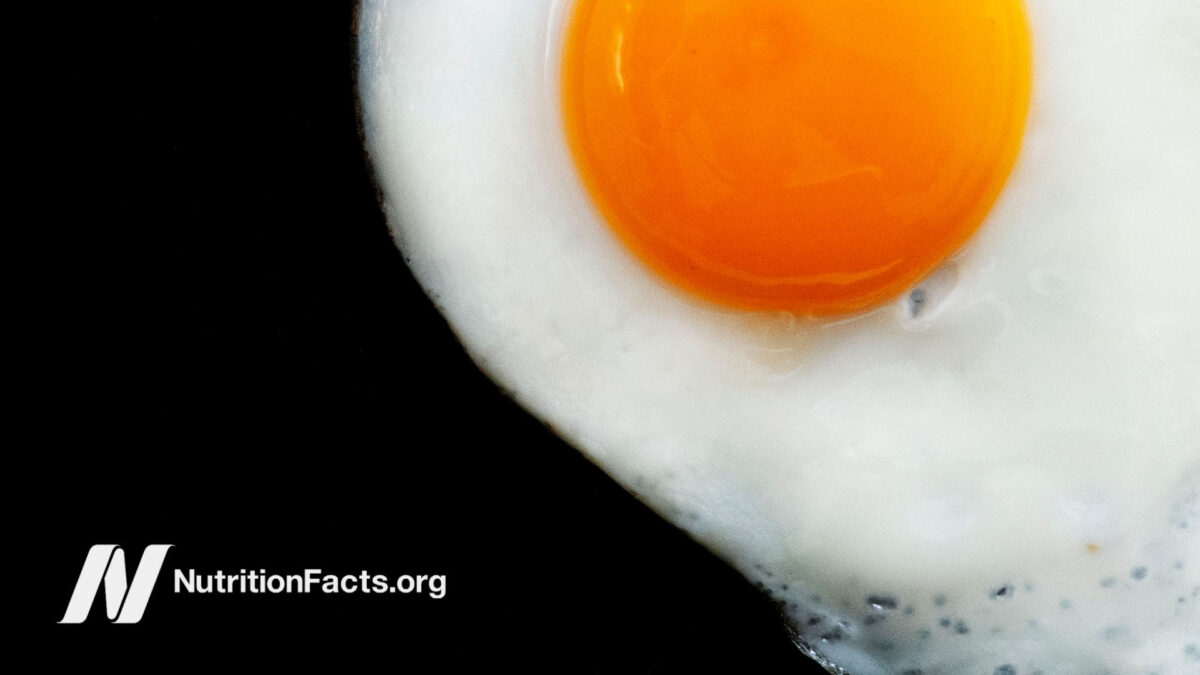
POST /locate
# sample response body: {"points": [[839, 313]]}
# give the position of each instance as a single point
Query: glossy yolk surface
{"points": [[809, 156]]}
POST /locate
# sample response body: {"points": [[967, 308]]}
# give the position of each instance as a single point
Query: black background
{"points": [[229, 355]]}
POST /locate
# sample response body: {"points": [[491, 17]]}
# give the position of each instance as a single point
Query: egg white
{"points": [[1035, 428]]}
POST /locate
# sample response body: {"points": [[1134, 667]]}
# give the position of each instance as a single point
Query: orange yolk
{"points": [[810, 156]]}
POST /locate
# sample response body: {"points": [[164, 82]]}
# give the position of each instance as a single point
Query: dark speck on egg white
{"points": [[916, 300], [1005, 670], [1004, 591], [881, 602], [1138, 573]]}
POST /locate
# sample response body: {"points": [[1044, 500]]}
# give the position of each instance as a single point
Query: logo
{"points": [[124, 601]]}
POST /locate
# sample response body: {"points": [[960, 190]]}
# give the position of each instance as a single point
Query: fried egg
{"points": [[892, 305]]}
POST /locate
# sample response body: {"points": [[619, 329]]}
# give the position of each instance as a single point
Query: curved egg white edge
{"points": [[364, 30]]}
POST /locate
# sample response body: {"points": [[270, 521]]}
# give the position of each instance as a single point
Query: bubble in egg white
{"points": [[996, 473]]}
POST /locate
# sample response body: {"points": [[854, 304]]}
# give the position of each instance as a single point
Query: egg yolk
{"points": [[810, 156]]}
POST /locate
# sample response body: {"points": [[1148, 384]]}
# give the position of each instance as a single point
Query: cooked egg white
{"points": [[995, 472]]}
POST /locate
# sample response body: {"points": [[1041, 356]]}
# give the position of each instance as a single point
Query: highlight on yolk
{"points": [[817, 157]]}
